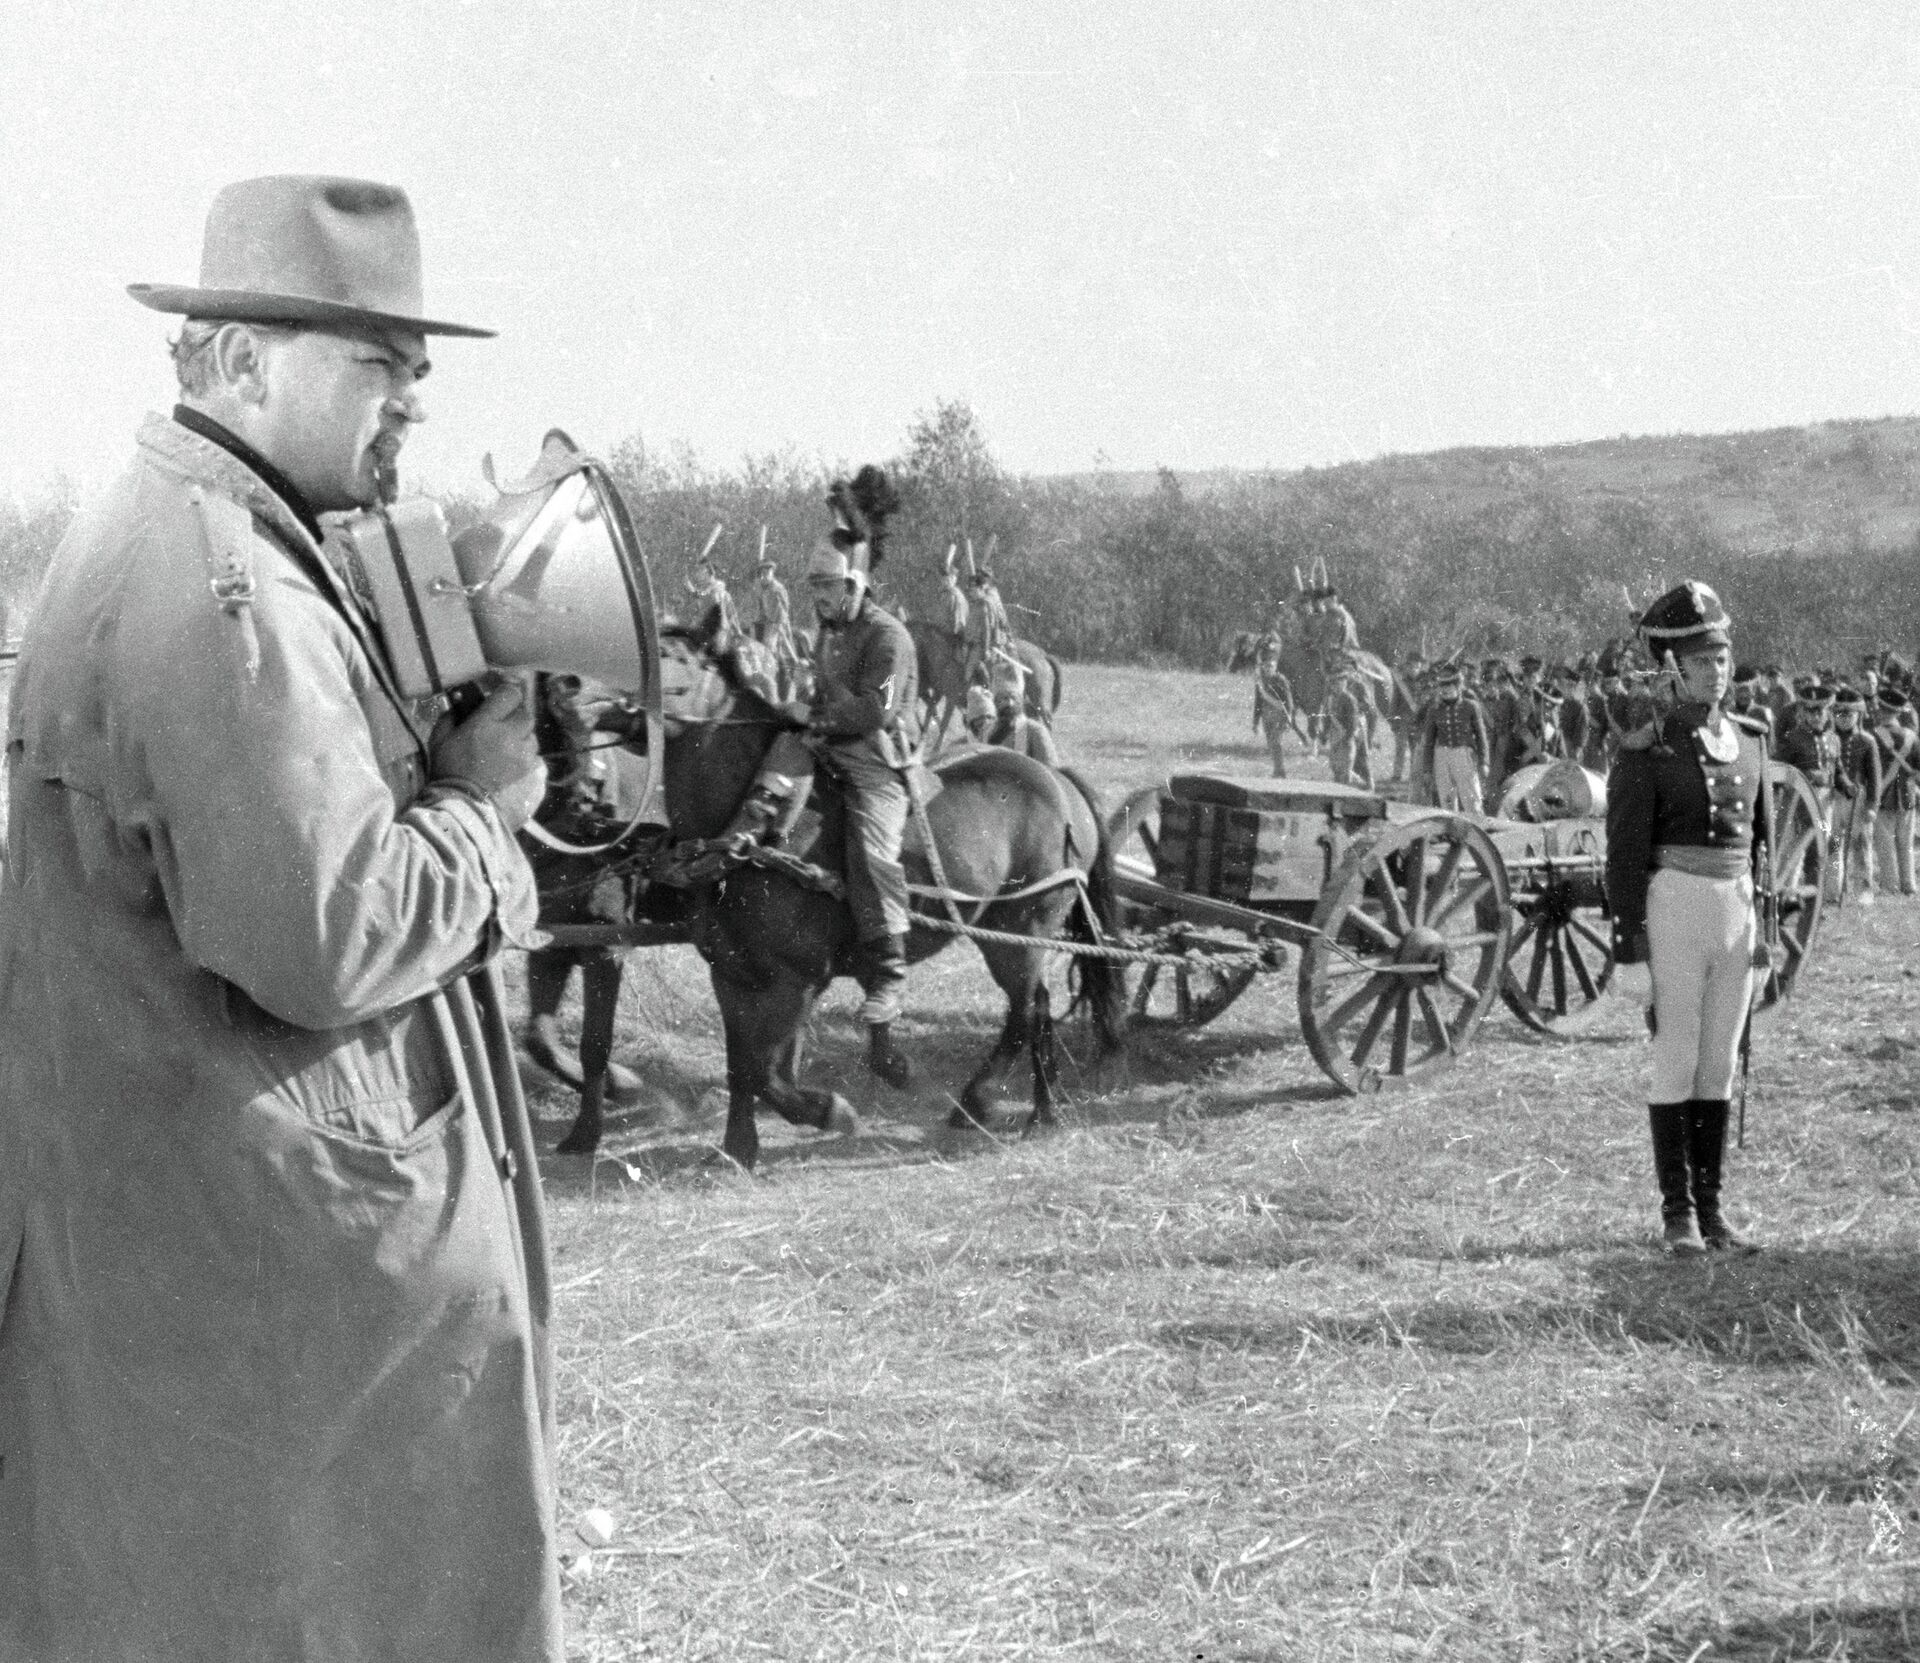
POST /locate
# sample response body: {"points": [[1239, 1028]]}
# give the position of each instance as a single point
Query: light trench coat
{"points": [[273, 1278]]}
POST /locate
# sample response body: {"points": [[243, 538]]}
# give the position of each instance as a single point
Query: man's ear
{"points": [[241, 353]]}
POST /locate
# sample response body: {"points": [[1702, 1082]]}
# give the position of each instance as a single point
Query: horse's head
{"points": [[694, 689]]}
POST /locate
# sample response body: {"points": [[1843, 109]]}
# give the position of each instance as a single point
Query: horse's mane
{"points": [[699, 641]]}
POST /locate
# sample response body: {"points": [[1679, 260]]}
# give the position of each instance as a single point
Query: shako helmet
{"points": [[1684, 619]]}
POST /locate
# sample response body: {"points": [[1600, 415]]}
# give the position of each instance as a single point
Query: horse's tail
{"points": [[1102, 985]]}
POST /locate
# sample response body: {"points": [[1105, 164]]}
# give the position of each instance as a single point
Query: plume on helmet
{"points": [[861, 508]]}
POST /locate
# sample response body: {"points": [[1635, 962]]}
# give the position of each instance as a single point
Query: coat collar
{"points": [[191, 456]]}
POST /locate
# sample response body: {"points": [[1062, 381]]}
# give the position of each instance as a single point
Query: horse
{"points": [[942, 664], [1312, 676], [1247, 647], [773, 941]]}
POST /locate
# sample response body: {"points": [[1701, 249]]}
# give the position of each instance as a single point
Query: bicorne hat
{"points": [[304, 248], [1684, 618]]}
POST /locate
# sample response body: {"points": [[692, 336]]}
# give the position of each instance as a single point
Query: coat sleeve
{"points": [[289, 864], [1631, 802]]}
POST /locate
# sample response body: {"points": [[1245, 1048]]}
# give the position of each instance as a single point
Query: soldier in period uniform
{"points": [[1500, 706], [986, 626], [1570, 723], [1273, 707], [863, 715], [1452, 746], [772, 619], [1856, 796], [1013, 728], [1811, 745], [1349, 711], [1686, 834], [709, 593], [952, 608], [1746, 701], [1900, 778], [1776, 695]]}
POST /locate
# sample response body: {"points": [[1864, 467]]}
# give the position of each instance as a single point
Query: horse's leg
{"points": [[746, 1070], [548, 971], [798, 1105], [1010, 969], [1041, 1046], [600, 997]]}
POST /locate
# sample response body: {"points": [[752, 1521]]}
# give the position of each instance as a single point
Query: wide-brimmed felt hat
{"points": [[305, 248]]}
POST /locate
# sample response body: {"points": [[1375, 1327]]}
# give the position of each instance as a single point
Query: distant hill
{"points": [[1830, 486]]}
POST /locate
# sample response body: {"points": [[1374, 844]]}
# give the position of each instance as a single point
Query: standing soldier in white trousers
{"points": [[1686, 831], [1453, 747]]}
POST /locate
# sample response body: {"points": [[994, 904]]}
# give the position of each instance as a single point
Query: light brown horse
{"points": [[942, 664], [1003, 823]]}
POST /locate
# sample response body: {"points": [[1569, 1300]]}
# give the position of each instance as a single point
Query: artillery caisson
{"points": [[1400, 917], [1552, 837], [1406, 921]]}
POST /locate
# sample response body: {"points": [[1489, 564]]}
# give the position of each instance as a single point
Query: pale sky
{"points": [[1200, 235]]}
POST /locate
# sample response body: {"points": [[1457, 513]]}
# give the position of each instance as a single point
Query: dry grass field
{"points": [[1236, 1368]]}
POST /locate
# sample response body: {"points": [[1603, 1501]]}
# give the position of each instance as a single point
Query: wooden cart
{"points": [[1400, 917], [1406, 921]]}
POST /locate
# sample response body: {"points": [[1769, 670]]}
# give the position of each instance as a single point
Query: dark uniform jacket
{"points": [[1858, 770], [1573, 728], [1456, 723], [1899, 767], [1815, 754], [1672, 793], [867, 683]]}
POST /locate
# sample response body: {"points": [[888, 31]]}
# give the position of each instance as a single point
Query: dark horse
{"points": [[1002, 822]]}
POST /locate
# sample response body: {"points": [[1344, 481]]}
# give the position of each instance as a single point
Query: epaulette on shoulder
{"points": [[1752, 724], [228, 528], [1640, 738]]}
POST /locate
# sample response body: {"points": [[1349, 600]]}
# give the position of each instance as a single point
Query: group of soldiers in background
{"points": [[974, 616], [1856, 737]]}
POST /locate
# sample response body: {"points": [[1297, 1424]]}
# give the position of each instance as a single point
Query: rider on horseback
{"points": [[863, 716]]}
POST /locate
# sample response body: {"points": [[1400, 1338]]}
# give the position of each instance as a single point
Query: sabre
{"points": [[712, 538]]}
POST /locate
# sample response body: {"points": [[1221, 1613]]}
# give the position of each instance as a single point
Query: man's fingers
{"points": [[504, 701]]}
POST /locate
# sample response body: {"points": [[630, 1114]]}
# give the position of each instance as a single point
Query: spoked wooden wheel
{"points": [[1412, 934], [1561, 959], [1189, 995], [1799, 878]]}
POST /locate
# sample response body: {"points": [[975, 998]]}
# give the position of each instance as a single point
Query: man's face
{"points": [[829, 596], [1704, 674], [334, 409]]}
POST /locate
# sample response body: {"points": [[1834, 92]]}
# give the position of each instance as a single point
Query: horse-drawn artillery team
{"points": [[275, 1377]]}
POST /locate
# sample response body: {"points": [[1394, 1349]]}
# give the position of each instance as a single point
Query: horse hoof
{"points": [[718, 1164], [890, 1064], [841, 1120], [578, 1142]]}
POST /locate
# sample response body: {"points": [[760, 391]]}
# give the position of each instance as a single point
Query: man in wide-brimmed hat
{"points": [[273, 1359]]}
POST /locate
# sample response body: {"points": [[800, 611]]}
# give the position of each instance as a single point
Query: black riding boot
{"points": [[883, 972], [1670, 1122], [1706, 1150]]}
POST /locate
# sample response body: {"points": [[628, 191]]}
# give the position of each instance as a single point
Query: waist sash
{"points": [[1700, 862]]}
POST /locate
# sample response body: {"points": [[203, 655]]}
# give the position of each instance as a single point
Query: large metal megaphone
{"points": [[550, 578]]}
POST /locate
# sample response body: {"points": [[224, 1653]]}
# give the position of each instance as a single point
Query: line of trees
{"points": [[1099, 569]]}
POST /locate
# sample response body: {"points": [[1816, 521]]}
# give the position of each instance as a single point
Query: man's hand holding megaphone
{"points": [[492, 755]]}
